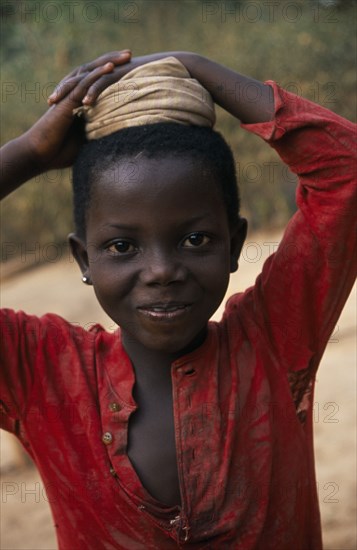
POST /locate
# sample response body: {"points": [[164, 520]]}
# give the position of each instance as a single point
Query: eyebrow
{"points": [[127, 227], [115, 226]]}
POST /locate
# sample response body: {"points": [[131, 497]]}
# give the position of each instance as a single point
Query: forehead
{"points": [[172, 187]]}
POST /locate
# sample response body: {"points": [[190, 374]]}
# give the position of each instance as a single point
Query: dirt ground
{"points": [[26, 523]]}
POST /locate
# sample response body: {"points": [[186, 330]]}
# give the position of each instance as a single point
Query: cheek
{"points": [[109, 279], [214, 275], [218, 262]]}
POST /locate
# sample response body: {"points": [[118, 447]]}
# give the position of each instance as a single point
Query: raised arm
{"points": [[54, 140], [297, 299], [245, 98]]}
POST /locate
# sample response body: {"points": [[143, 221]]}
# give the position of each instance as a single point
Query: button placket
{"points": [[184, 384], [115, 417], [113, 407]]}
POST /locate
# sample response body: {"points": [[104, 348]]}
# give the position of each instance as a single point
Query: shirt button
{"points": [[107, 438], [114, 407]]}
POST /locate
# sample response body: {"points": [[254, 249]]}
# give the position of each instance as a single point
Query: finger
{"points": [[69, 84], [119, 56], [80, 91], [63, 88], [116, 57], [100, 84]]}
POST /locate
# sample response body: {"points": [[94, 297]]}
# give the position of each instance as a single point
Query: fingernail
{"points": [[86, 99]]}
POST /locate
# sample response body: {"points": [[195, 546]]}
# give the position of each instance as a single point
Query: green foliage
{"points": [[308, 47]]}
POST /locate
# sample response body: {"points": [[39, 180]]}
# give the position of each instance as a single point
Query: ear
{"points": [[238, 236], [79, 251]]}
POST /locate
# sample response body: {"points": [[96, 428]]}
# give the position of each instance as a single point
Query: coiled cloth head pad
{"points": [[160, 91]]}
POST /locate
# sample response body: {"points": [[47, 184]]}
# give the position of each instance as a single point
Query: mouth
{"points": [[165, 311]]}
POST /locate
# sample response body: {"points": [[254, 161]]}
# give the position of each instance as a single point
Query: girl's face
{"points": [[158, 250]]}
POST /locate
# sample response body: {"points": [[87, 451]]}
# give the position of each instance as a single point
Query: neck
{"points": [[156, 363]]}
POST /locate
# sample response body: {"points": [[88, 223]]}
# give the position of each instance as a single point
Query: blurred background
{"points": [[309, 47]]}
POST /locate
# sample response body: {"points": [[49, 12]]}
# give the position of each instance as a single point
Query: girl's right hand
{"points": [[54, 141]]}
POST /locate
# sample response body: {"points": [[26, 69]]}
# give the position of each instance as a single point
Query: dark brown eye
{"points": [[120, 247], [195, 240]]}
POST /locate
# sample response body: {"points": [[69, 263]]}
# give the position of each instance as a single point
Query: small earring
{"points": [[85, 280]]}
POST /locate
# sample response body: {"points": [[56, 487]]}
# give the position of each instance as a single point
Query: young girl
{"points": [[175, 431]]}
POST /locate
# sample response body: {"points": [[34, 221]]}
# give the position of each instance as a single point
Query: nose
{"points": [[162, 268]]}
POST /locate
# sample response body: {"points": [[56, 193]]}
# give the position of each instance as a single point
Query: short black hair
{"points": [[162, 139]]}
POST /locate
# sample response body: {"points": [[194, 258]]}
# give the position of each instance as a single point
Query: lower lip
{"points": [[169, 315]]}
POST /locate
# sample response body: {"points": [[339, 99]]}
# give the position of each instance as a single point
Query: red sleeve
{"points": [[301, 291], [21, 337], [34, 349]]}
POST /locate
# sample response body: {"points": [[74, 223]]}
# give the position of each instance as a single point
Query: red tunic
{"points": [[242, 401]]}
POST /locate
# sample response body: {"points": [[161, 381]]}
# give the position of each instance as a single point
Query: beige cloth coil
{"points": [[160, 91]]}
